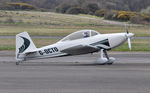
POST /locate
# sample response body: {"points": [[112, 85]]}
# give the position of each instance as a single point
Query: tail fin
{"points": [[23, 45]]}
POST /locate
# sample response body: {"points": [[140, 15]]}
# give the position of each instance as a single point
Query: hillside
{"points": [[130, 5], [49, 23]]}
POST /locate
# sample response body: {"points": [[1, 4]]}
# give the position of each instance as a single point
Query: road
{"points": [[129, 74]]}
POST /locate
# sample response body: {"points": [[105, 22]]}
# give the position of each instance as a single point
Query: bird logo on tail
{"points": [[25, 45]]}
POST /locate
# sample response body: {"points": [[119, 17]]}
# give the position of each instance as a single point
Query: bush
{"points": [[111, 15], [146, 11], [43, 10], [75, 10], [146, 17], [92, 8], [62, 8], [140, 19], [123, 17], [137, 19], [17, 6], [100, 13], [126, 15]]}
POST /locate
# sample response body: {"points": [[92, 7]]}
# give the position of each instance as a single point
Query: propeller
{"points": [[129, 44], [129, 35], [126, 29]]}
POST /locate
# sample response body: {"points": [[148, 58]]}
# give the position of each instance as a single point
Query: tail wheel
{"points": [[17, 63]]}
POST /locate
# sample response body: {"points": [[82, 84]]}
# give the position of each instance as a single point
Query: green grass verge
{"points": [[137, 45], [9, 44], [7, 47], [45, 30]]}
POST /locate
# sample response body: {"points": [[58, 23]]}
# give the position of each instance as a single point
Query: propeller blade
{"points": [[127, 31], [126, 28], [129, 43]]}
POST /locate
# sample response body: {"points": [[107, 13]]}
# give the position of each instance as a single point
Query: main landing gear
{"points": [[104, 60], [19, 61]]}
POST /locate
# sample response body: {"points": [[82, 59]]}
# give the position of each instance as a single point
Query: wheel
{"points": [[109, 63], [101, 63], [17, 63]]}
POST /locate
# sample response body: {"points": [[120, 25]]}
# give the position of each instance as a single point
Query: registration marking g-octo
{"points": [[48, 51]]}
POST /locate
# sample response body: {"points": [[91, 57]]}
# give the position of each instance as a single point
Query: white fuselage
{"points": [[54, 50]]}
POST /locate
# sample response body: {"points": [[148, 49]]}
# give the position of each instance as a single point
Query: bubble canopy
{"points": [[80, 34]]}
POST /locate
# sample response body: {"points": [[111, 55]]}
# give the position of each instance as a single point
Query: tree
{"points": [[130, 5], [17, 6], [63, 8], [92, 8], [75, 10], [100, 12], [146, 11], [81, 2]]}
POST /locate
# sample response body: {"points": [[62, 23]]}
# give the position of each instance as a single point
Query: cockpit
{"points": [[80, 34]]}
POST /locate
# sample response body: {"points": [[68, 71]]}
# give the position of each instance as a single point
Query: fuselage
{"points": [[105, 41]]}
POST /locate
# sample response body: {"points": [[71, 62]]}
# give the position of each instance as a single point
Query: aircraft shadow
{"points": [[59, 64], [84, 64]]}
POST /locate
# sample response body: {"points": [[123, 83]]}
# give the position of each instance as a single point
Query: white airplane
{"points": [[77, 43]]}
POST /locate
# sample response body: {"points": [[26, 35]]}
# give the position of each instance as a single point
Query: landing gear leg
{"points": [[101, 60], [110, 59], [102, 57], [105, 52], [104, 60], [101, 53], [106, 55]]}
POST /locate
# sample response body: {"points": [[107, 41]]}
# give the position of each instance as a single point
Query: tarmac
{"points": [[76, 74]]}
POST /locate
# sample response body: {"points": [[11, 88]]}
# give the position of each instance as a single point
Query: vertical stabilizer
{"points": [[23, 45]]}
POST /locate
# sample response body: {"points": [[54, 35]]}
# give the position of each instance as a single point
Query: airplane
{"points": [[77, 43]]}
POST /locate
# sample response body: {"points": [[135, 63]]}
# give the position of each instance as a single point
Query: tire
{"points": [[17, 63], [109, 63]]}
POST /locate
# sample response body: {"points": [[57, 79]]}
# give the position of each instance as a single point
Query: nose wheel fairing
{"points": [[105, 60]]}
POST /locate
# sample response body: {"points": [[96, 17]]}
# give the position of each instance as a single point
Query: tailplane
{"points": [[24, 44]]}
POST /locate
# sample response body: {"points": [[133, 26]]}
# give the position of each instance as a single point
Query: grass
{"points": [[137, 44], [45, 30], [91, 16], [46, 18], [9, 44]]}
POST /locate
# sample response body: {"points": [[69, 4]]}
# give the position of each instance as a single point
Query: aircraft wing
{"points": [[80, 49]]}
